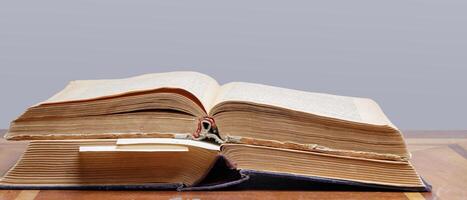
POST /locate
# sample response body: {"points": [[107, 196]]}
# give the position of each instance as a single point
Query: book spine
{"points": [[207, 129]]}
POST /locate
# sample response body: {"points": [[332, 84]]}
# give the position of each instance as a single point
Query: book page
{"points": [[200, 85], [134, 148], [371, 113], [166, 141], [333, 106]]}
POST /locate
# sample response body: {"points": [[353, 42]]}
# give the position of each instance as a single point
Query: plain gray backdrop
{"points": [[410, 56]]}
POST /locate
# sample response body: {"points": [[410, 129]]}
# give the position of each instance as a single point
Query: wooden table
{"points": [[439, 156]]}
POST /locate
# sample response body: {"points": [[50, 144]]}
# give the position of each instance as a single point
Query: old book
{"points": [[165, 163], [257, 125]]}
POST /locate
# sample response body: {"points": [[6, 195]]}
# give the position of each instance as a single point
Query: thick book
{"points": [[168, 130]]}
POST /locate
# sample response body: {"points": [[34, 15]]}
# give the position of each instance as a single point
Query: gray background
{"points": [[410, 56]]}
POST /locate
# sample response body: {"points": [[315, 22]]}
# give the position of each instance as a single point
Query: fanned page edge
{"points": [[82, 90], [406, 162], [314, 148], [122, 141], [368, 110]]}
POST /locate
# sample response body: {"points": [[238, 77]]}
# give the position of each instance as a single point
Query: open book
{"points": [[261, 128], [184, 164]]}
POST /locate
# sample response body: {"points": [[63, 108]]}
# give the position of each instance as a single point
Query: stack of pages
{"points": [[182, 130]]}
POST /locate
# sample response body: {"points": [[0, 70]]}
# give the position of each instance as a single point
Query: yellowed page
{"points": [[200, 85], [371, 113], [333, 106]]}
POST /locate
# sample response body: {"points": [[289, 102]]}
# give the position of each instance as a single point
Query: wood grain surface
{"points": [[439, 156]]}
